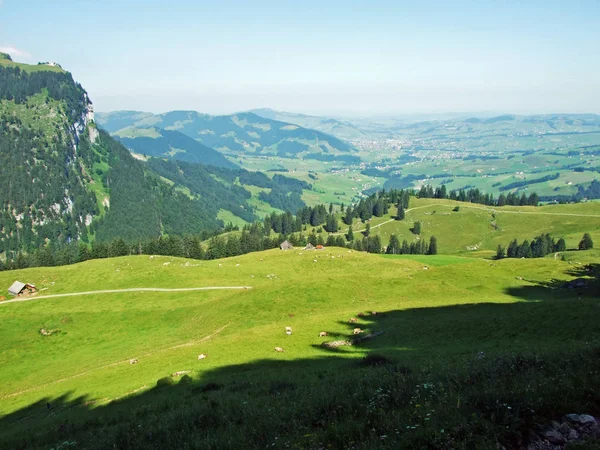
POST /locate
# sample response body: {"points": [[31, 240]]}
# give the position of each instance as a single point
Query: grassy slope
{"points": [[100, 330], [472, 224], [30, 67]]}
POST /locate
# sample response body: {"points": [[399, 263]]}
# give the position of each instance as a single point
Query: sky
{"points": [[326, 57]]}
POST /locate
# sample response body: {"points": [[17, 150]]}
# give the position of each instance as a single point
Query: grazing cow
{"points": [[278, 349], [323, 334], [357, 331], [133, 361], [202, 356], [353, 320]]}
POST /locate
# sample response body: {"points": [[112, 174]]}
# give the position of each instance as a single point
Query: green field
{"points": [[471, 228], [507, 307]]}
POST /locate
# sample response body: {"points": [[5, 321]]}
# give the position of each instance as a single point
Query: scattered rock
{"points": [[574, 428], [278, 349], [133, 361], [518, 278], [323, 334], [288, 330], [181, 372], [335, 344], [582, 419], [554, 437], [357, 331], [201, 356], [45, 332], [353, 320], [357, 340]]}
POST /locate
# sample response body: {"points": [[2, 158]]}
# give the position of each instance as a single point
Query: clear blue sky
{"points": [[322, 57]]}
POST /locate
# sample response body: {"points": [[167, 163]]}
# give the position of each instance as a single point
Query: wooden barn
{"points": [[19, 288]]}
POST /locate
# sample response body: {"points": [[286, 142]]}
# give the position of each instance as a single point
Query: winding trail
{"points": [[114, 291], [383, 223]]}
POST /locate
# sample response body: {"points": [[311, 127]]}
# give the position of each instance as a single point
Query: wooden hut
{"points": [[19, 288]]}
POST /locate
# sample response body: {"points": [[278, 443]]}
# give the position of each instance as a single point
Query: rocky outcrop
{"points": [[573, 429]]}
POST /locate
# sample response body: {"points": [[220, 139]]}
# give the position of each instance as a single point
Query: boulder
{"points": [[554, 437], [581, 419]]}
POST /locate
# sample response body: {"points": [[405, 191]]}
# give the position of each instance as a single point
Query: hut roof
{"points": [[16, 288]]}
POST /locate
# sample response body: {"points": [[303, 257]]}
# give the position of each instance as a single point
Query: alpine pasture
{"points": [[505, 325]]}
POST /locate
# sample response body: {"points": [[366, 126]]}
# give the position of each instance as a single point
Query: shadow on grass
{"points": [[482, 351]]}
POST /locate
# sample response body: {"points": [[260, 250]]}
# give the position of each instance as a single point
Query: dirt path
{"points": [[113, 291], [117, 363], [535, 213]]}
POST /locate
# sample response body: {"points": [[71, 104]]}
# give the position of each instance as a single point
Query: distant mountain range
{"points": [[233, 135], [337, 128]]}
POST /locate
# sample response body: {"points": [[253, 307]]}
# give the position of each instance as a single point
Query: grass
{"points": [[30, 67], [87, 361], [464, 337], [472, 227]]}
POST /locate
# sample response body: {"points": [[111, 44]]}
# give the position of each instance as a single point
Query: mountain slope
{"points": [[63, 181], [234, 134], [170, 144], [334, 127]]}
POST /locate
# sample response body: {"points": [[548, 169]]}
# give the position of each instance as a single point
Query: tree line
{"points": [[539, 247]]}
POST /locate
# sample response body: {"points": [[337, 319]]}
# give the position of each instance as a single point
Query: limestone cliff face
{"points": [[85, 121]]}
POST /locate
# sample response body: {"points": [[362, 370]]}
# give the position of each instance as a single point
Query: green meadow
{"points": [[439, 321]]}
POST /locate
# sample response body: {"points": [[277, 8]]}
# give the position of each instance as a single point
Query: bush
{"points": [[456, 209]]}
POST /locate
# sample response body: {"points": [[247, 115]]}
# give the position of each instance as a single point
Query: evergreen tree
{"points": [[367, 231], [405, 249], [350, 234], [118, 247], [432, 250], [500, 253], [560, 246], [586, 242], [393, 247], [416, 228], [401, 214], [513, 249]]}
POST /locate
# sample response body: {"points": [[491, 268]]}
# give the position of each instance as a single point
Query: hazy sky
{"points": [[321, 57]]}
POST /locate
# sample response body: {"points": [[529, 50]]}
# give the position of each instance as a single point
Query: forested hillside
{"points": [[171, 145], [62, 181]]}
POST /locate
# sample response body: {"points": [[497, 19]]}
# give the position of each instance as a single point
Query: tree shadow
{"points": [[549, 317]]}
